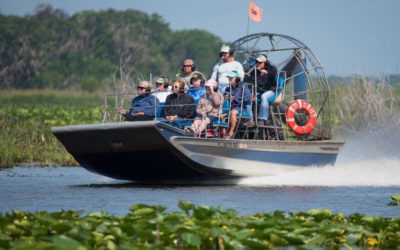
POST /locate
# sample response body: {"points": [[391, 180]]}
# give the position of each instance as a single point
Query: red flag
{"points": [[255, 12]]}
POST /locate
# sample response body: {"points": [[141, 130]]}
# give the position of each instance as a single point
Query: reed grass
{"points": [[364, 105], [26, 118]]}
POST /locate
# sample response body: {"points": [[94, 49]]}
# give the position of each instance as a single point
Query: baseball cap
{"points": [[211, 83], [261, 58], [161, 80], [196, 77], [233, 73], [225, 48]]}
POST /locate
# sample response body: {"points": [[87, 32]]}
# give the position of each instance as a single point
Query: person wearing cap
{"points": [[208, 108], [179, 105], [196, 88], [188, 69], [224, 66], [143, 105], [163, 90], [265, 74], [240, 97]]}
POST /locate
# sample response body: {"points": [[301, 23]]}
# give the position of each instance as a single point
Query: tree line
{"points": [[51, 49]]}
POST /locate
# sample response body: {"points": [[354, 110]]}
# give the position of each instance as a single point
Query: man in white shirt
{"points": [[163, 89], [224, 66]]}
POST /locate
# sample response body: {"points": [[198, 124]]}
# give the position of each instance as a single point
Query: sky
{"points": [[348, 36]]}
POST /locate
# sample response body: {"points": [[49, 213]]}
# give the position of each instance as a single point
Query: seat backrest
{"points": [[280, 83], [160, 110]]}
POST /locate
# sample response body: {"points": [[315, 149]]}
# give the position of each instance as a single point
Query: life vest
{"points": [[312, 117]]}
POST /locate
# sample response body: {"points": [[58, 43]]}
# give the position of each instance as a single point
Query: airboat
{"points": [[299, 135]]}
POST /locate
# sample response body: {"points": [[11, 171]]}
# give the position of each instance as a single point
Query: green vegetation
{"points": [[365, 104], [195, 227], [50, 49], [26, 118], [395, 200]]}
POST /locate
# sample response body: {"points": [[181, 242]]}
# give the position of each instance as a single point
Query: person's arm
{"points": [[167, 109], [247, 95], [215, 72], [217, 99], [239, 69], [200, 107], [188, 108], [152, 102], [271, 77]]}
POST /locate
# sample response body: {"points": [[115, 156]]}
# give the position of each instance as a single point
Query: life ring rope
{"points": [[312, 117]]}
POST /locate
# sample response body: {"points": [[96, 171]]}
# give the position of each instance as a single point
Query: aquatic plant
{"points": [[195, 227], [26, 118], [395, 200]]}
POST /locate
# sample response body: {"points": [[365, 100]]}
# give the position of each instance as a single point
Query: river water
{"points": [[366, 174]]}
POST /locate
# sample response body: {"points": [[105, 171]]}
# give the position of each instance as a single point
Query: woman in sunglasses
{"points": [[179, 106], [143, 105]]}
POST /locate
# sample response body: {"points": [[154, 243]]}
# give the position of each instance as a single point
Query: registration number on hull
{"points": [[229, 144]]}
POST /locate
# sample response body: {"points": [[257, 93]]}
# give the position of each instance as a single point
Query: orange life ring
{"points": [[312, 117]]}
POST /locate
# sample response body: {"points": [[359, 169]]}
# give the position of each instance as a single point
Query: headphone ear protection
{"points": [[149, 87], [193, 66], [182, 87]]}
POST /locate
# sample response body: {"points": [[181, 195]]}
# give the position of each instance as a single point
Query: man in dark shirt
{"points": [[266, 84], [143, 105], [179, 105]]}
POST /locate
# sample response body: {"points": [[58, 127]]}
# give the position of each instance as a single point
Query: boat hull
{"points": [[151, 150]]}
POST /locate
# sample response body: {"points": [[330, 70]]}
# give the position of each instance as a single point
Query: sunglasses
{"points": [[176, 87], [140, 87], [186, 66]]}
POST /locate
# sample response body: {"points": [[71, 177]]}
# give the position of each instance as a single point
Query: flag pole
{"points": [[248, 26]]}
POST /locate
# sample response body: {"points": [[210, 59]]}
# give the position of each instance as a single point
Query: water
{"points": [[367, 173]]}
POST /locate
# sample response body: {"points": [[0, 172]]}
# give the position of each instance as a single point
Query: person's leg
{"points": [[233, 121], [222, 87], [176, 122], [203, 124], [195, 125], [264, 107], [141, 118], [249, 111]]}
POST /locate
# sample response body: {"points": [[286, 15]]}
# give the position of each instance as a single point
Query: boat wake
{"points": [[366, 160]]}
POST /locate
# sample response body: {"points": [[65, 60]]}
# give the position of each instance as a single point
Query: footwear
{"points": [[249, 124], [189, 131], [261, 122], [268, 123], [228, 137], [264, 122]]}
